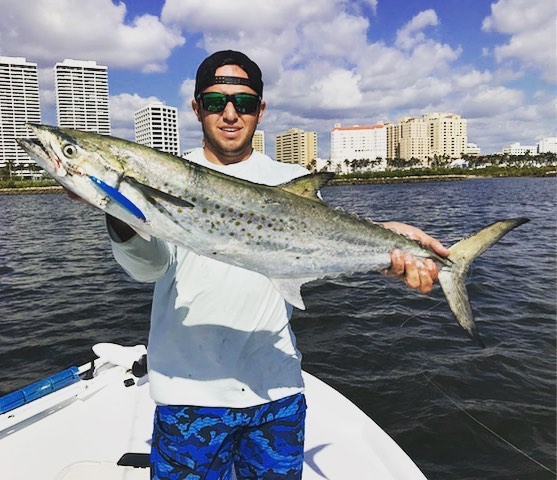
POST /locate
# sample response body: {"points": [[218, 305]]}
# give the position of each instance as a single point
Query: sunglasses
{"points": [[215, 102]]}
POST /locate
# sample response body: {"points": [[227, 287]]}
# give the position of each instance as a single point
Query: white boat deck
{"points": [[81, 432]]}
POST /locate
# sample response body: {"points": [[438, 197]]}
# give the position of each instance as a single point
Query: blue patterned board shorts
{"points": [[203, 443]]}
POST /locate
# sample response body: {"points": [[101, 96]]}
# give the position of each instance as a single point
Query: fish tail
{"points": [[452, 276]]}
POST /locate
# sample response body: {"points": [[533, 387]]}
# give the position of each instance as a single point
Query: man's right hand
{"points": [[122, 229]]}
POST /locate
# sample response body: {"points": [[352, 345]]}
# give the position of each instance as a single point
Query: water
{"points": [[385, 348]]}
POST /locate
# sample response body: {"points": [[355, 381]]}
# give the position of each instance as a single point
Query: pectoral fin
{"points": [[164, 202], [153, 194]]}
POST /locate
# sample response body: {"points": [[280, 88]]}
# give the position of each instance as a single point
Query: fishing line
{"points": [[418, 314], [481, 424]]}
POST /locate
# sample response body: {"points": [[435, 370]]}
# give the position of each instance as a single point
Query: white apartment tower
{"points": [[296, 146], [82, 96], [364, 147], [19, 104], [156, 126], [547, 145]]}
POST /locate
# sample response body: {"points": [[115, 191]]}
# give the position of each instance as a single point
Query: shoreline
{"points": [[404, 179], [31, 190], [337, 181]]}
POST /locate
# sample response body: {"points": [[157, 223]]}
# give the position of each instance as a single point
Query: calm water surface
{"points": [[387, 349]]}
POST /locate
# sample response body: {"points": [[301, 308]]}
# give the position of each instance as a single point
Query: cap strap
{"points": [[232, 81]]}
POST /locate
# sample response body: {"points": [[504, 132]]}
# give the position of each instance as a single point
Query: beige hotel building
{"points": [[296, 146]]}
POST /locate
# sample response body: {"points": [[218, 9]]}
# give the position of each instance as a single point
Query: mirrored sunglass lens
{"points": [[246, 103], [214, 102]]}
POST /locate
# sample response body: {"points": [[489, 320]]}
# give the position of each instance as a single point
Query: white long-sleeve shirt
{"points": [[220, 334]]}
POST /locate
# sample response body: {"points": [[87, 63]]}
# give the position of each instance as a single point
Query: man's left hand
{"points": [[416, 273]]}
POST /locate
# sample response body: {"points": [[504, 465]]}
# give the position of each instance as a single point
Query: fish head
{"points": [[72, 157]]}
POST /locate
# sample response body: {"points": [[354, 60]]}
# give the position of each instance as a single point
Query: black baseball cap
{"points": [[205, 76]]}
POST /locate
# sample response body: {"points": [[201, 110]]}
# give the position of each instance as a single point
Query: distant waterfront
{"points": [[15, 190], [22, 187]]}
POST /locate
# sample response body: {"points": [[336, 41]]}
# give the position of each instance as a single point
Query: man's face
{"points": [[228, 134]]}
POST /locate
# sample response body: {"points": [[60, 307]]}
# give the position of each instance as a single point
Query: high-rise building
{"points": [[82, 96], [296, 146], [448, 135], [413, 139], [19, 104], [258, 141], [393, 140], [433, 136], [156, 126], [361, 147]]}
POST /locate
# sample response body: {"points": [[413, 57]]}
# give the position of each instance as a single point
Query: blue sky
{"points": [[324, 61]]}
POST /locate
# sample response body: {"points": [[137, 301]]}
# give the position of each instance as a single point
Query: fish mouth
{"points": [[45, 151], [40, 153]]}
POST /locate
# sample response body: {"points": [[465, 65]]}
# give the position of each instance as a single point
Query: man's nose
{"points": [[229, 113]]}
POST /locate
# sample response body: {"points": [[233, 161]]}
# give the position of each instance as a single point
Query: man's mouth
{"points": [[230, 131]]}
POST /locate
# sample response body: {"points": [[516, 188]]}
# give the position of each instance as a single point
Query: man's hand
{"points": [[123, 230], [418, 274]]}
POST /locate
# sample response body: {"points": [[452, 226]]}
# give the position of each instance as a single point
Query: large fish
{"points": [[285, 232]]}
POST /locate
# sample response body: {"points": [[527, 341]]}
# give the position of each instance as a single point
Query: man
{"points": [[223, 366]]}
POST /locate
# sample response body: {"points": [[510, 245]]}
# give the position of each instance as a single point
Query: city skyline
{"points": [[494, 64], [82, 102]]}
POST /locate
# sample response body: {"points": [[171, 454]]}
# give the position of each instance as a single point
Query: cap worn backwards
{"points": [[206, 72]]}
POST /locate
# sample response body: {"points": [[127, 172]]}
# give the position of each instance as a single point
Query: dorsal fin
{"points": [[308, 185]]}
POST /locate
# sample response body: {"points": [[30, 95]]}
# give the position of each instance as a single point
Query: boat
{"points": [[94, 422]]}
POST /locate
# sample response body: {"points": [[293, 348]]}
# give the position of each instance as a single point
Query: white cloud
{"points": [[122, 109], [532, 29], [472, 79], [490, 101], [190, 128], [411, 33], [272, 33], [338, 90], [372, 4], [349, 34], [496, 131], [123, 106], [241, 16], [49, 31]]}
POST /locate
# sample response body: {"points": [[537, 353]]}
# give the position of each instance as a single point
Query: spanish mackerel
{"points": [[285, 232]]}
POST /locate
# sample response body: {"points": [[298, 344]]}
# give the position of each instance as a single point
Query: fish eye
{"points": [[70, 150]]}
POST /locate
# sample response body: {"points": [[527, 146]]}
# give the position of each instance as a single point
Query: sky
{"points": [[324, 61]]}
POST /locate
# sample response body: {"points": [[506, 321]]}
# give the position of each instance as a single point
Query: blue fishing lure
{"points": [[120, 199]]}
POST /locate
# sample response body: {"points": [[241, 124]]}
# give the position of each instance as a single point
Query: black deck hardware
{"points": [[136, 460]]}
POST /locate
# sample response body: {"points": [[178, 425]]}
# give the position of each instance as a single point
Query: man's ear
{"points": [[261, 111], [195, 108]]}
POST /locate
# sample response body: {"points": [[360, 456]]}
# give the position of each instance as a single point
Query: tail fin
{"points": [[453, 276]]}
